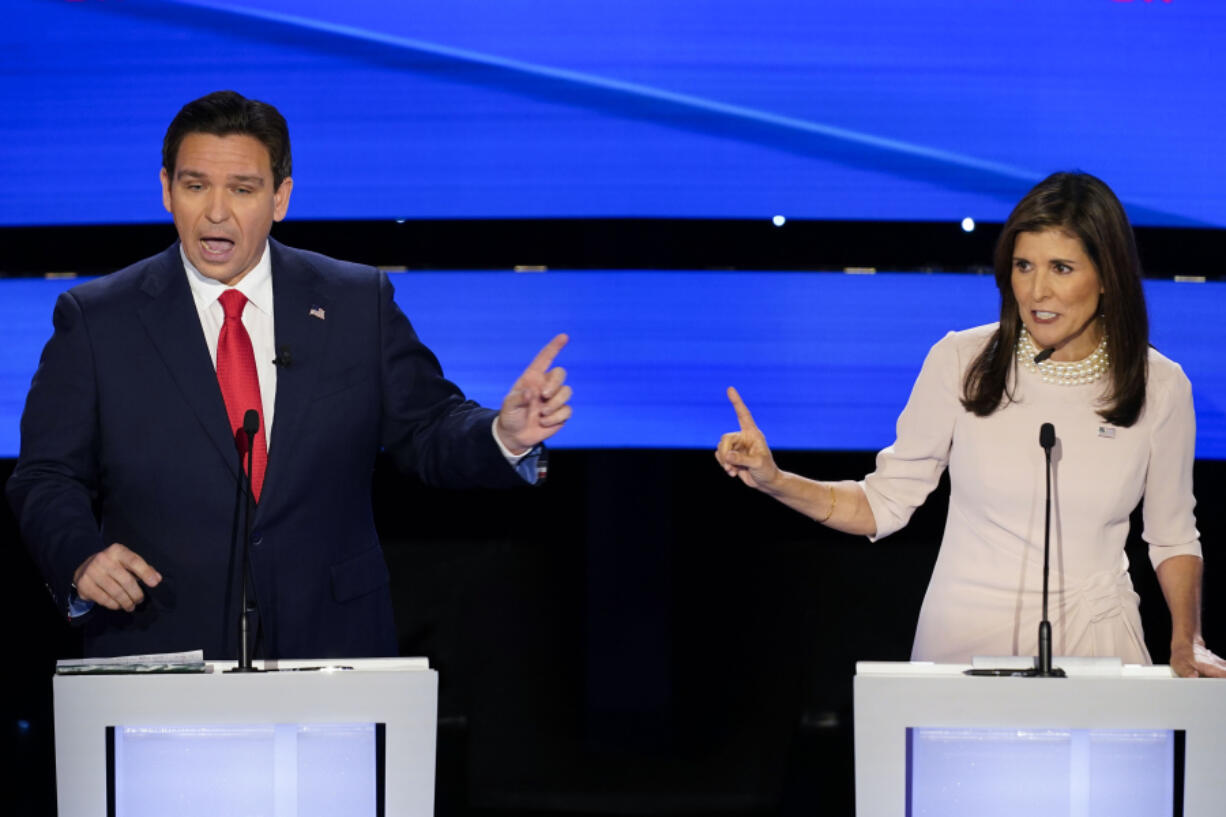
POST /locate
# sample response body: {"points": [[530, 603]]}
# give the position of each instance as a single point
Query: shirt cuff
{"points": [[1160, 553], [530, 465], [77, 606], [513, 459]]}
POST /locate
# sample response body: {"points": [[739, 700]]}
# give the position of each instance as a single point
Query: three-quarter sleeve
{"points": [[1169, 522], [908, 470]]}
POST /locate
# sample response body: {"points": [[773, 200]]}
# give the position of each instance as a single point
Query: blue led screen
{"points": [[874, 109], [824, 360], [965, 772]]}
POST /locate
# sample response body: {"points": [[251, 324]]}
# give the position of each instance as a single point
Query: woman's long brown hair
{"points": [[1085, 207]]}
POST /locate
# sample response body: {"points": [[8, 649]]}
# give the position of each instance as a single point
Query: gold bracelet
{"points": [[829, 513]]}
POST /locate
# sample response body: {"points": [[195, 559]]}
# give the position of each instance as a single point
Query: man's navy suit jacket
{"points": [[125, 439]]}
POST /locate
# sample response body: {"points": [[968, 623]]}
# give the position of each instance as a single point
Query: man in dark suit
{"points": [[128, 480]]}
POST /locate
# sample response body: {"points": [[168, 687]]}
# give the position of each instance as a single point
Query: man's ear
{"points": [[165, 177], [280, 198]]}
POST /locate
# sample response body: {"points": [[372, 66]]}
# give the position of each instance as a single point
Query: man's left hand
{"points": [[538, 403]]}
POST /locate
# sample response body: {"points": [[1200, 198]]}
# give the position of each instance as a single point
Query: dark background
{"points": [[640, 635], [629, 243]]}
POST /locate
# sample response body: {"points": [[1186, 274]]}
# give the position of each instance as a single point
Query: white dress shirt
{"points": [[257, 319]]}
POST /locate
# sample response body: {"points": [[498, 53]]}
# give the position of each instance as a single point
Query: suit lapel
{"points": [[300, 303], [173, 325]]}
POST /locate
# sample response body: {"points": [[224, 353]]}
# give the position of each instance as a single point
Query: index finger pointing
{"points": [[544, 358], [742, 411]]}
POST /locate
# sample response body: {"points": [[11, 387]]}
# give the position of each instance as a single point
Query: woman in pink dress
{"points": [[1071, 348]]}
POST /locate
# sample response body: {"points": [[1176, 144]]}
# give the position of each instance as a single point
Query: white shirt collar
{"points": [[256, 284]]}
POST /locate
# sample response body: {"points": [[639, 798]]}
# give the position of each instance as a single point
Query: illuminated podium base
{"points": [[1107, 740], [358, 740]]}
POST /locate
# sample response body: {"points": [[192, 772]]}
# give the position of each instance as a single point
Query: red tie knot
{"points": [[233, 301]]}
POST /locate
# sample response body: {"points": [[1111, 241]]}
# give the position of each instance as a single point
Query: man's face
{"points": [[223, 202]]}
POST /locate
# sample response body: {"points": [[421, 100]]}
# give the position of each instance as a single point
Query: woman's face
{"points": [[1057, 290]]}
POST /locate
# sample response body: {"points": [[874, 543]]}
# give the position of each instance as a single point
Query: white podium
{"points": [[1095, 737], [357, 739]]}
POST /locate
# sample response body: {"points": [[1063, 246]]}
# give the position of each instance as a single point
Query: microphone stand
{"points": [[1042, 667], [251, 424]]}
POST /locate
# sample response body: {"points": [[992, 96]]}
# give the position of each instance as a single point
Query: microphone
{"points": [[251, 425], [1043, 668], [1039, 358], [283, 359], [1047, 436]]}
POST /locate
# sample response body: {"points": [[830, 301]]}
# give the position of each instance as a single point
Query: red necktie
{"points": [[240, 384]]}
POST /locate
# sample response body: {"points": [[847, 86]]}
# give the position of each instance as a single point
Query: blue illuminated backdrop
{"points": [[875, 109], [824, 360]]}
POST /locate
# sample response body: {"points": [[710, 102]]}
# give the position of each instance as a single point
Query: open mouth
{"points": [[216, 248]]}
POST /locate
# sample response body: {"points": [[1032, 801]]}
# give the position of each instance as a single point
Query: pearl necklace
{"points": [[1065, 373]]}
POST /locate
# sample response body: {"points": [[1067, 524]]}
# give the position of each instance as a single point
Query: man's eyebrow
{"points": [[241, 178]]}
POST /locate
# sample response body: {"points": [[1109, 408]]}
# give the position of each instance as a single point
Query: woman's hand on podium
{"points": [[1194, 660]]}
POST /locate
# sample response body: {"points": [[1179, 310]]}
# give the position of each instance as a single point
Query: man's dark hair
{"points": [[227, 113], [1082, 206]]}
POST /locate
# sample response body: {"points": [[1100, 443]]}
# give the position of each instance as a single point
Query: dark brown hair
{"points": [[227, 113], [1085, 207]]}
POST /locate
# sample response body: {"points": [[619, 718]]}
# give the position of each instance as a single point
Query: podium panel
{"points": [[929, 739], [358, 740]]}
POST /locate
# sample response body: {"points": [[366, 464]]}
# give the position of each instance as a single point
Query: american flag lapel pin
{"points": [[317, 312], [1106, 432]]}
